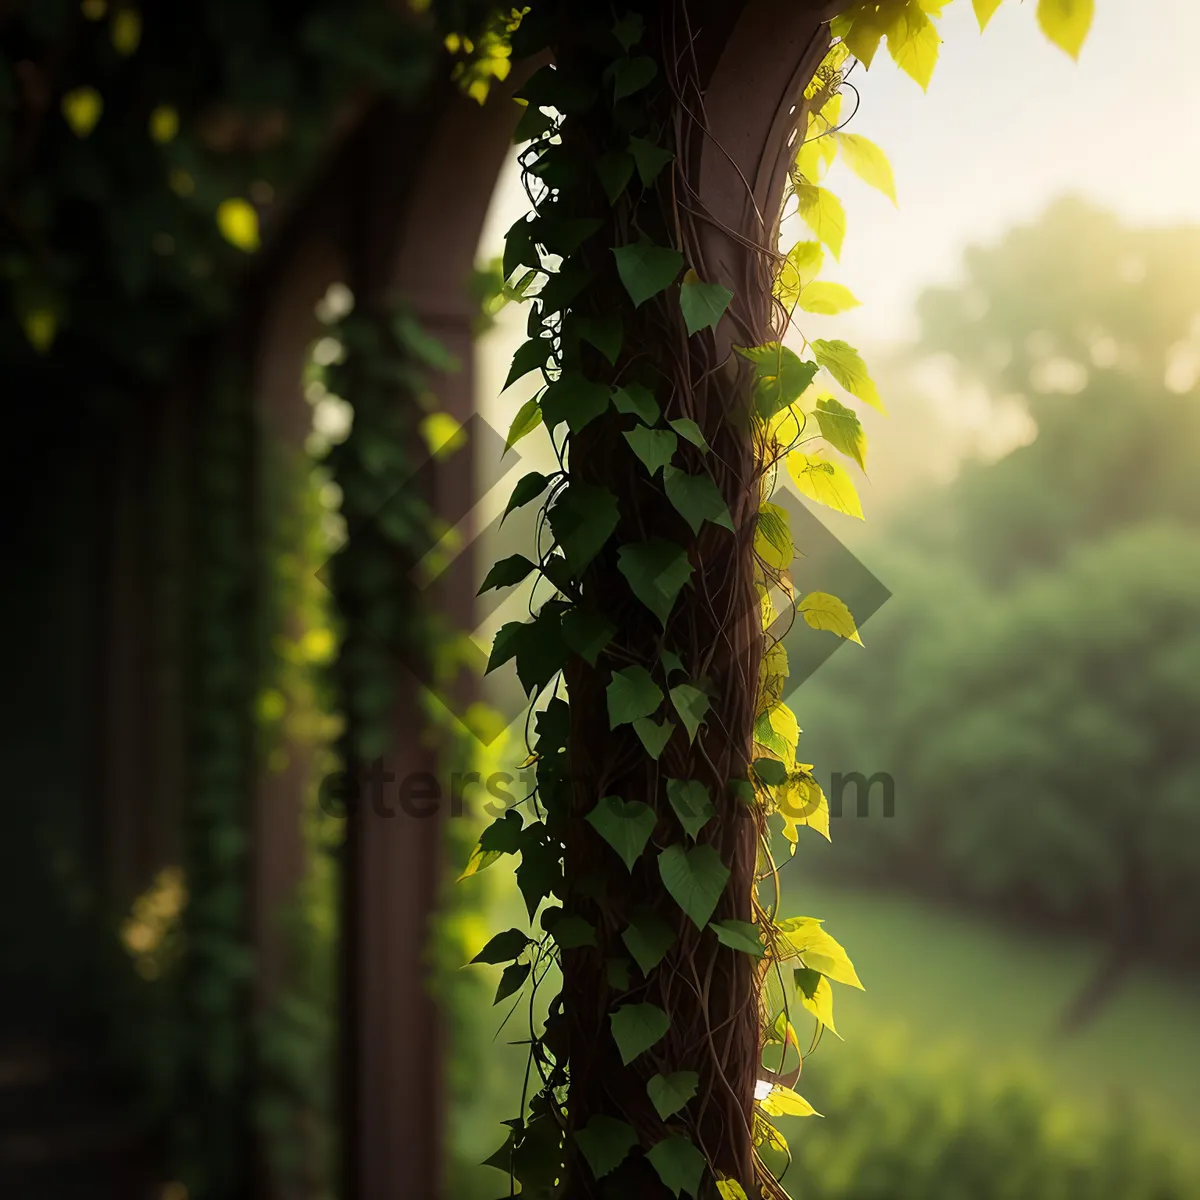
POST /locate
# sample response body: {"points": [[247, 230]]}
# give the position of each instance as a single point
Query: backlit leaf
{"points": [[82, 107], [825, 482], [781, 1101], [823, 611], [504, 947], [816, 995], [827, 299], [841, 428], [506, 573], [773, 537], [529, 487], [913, 43], [637, 1027], [1066, 22], [511, 981], [695, 878], [845, 364], [730, 1189], [984, 11], [530, 356], [802, 266], [823, 213], [528, 418]]}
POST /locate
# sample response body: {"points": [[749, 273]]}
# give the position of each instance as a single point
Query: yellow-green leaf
{"points": [[823, 213], [827, 299], [82, 108], [802, 266], [816, 995], [804, 937], [781, 1101], [1066, 22], [868, 162], [528, 418], [238, 223], [730, 1189], [984, 11], [773, 537], [801, 800], [823, 611], [845, 364], [825, 482], [913, 43], [841, 428]]}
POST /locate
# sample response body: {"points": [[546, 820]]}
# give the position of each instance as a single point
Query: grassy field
{"points": [[998, 993]]}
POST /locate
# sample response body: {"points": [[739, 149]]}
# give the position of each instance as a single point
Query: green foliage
{"points": [[903, 1123]]}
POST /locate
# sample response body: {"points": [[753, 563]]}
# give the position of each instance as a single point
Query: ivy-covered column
{"points": [[645, 831]]}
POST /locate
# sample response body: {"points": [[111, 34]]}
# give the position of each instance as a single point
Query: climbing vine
{"points": [[665, 756]]}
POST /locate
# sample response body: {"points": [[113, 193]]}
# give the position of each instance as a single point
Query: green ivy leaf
{"points": [[648, 937], [570, 932], [679, 1164], [771, 771], [690, 800], [695, 878], [631, 694], [691, 704], [506, 573], [702, 304], [511, 981], [587, 633], [654, 447], [532, 125], [504, 947], [615, 170], [845, 364], [656, 571], [689, 431], [528, 418], [669, 1093], [529, 487], [616, 972], [540, 871], [582, 520], [605, 1142], [530, 356], [654, 735], [605, 333], [541, 651], [646, 269], [842, 429], [670, 661], [626, 825], [628, 30], [639, 400], [650, 159], [738, 935], [631, 75], [573, 398], [696, 499], [637, 1027], [781, 376], [504, 834], [504, 645]]}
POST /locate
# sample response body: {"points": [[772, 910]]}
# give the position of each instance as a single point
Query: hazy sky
{"points": [[1008, 124]]}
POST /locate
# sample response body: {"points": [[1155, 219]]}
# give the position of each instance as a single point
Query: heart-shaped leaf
{"points": [[605, 1142], [738, 935], [654, 734], [626, 825], [656, 571], [631, 694], [695, 878], [702, 304], [648, 937], [654, 447], [646, 269], [690, 800], [637, 1027], [679, 1164], [691, 704], [669, 1093]]}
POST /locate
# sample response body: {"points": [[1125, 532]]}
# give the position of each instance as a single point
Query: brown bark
{"points": [[710, 205]]}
